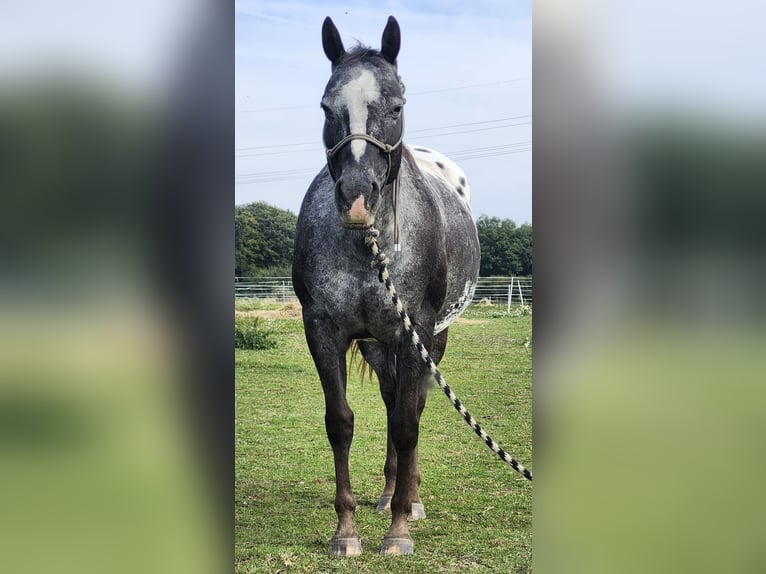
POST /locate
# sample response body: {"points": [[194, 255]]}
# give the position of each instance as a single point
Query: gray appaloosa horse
{"points": [[415, 197]]}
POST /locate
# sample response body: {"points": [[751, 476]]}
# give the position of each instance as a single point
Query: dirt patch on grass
{"points": [[462, 321], [287, 311], [293, 310]]}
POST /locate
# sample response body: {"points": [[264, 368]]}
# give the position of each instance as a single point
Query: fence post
{"points": [[521, 295]]}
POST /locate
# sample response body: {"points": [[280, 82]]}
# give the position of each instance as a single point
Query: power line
{"points": [[472, 123], [276, 174], [478, 130], [274, 145], [314, 144], [458, 155], [423, 92], [464, 158], [470, 86]]}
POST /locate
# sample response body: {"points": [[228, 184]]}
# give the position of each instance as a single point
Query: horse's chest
{"points": [[358, 302]]}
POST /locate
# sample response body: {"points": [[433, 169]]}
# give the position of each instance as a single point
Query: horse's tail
{"points": [[363, 369]]}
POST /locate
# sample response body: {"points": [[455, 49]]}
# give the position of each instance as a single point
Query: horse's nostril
{"points": [[348, 189]]}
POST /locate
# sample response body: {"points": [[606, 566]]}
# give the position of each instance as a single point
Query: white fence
{"points": [[497, 290], [502, 290]]}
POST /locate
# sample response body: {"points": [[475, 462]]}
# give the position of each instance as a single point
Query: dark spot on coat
{"points": [[424, 150], [459, 189], [440, 164], [462, 180]]}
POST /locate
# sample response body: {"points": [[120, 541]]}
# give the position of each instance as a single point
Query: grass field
{"points": [[479, 511]]}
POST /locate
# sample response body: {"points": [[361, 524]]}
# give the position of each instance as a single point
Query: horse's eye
{"points": [[397, 109]]}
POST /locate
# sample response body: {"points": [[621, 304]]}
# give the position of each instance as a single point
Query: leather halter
{"points": [[386, 148]]}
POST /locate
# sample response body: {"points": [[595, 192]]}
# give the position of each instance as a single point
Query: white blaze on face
{"points": [[355, 96]]}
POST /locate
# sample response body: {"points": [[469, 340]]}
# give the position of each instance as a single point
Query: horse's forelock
{"points": [[360, 52], [361, 55]]}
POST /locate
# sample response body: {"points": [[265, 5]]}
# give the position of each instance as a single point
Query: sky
{"points": [[467, 68]]}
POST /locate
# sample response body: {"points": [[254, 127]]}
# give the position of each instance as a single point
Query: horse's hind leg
{"points": [[329, 354], [439, 344], [384, 365], [404, 421]]}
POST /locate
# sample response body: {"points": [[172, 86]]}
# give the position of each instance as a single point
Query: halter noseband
{"points": [[386, 148]]}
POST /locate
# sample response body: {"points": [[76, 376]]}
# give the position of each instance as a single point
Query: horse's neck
{"points": [[391, 211]]}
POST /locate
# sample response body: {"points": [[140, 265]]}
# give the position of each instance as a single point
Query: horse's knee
{"points": [[340, 426], [404, 433]]}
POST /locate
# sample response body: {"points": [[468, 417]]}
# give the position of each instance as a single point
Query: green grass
{"points": [[247, 304], [478, 509]]}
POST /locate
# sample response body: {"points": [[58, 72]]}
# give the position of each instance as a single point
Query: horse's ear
{"points": [[331, 42], [392, 39]]}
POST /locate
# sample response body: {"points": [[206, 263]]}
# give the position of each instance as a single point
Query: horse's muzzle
{"points": [[357, 216]]}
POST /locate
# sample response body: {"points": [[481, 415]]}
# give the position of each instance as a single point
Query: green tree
{"points": [[505, 248], [524, 242], [263, 238]]}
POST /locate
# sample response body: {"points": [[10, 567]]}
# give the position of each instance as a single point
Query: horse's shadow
{"points": [[298, 516]]}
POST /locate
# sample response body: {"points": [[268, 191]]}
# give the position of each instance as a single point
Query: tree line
{"points": [[264, 236]]}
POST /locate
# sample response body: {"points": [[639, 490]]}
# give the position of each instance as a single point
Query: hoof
{"points": [[346, 546], [397, 546], [418, 511], [384, 504]]}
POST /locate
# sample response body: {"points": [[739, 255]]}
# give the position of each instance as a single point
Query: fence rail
{"points": [[497, 290]]}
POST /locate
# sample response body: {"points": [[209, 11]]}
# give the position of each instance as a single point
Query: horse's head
{"points": [[364, 123]]}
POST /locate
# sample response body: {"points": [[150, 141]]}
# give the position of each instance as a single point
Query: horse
{"points": [[418, 203]]}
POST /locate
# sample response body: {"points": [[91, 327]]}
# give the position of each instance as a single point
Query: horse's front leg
{"points": [[404, 428], [383, 362], [328, 349]]}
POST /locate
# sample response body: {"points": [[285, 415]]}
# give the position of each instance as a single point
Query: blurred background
{"points": [[649, 328], [116, 259]]}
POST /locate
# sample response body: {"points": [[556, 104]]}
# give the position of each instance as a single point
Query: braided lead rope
{"points": [[380, 262]]}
